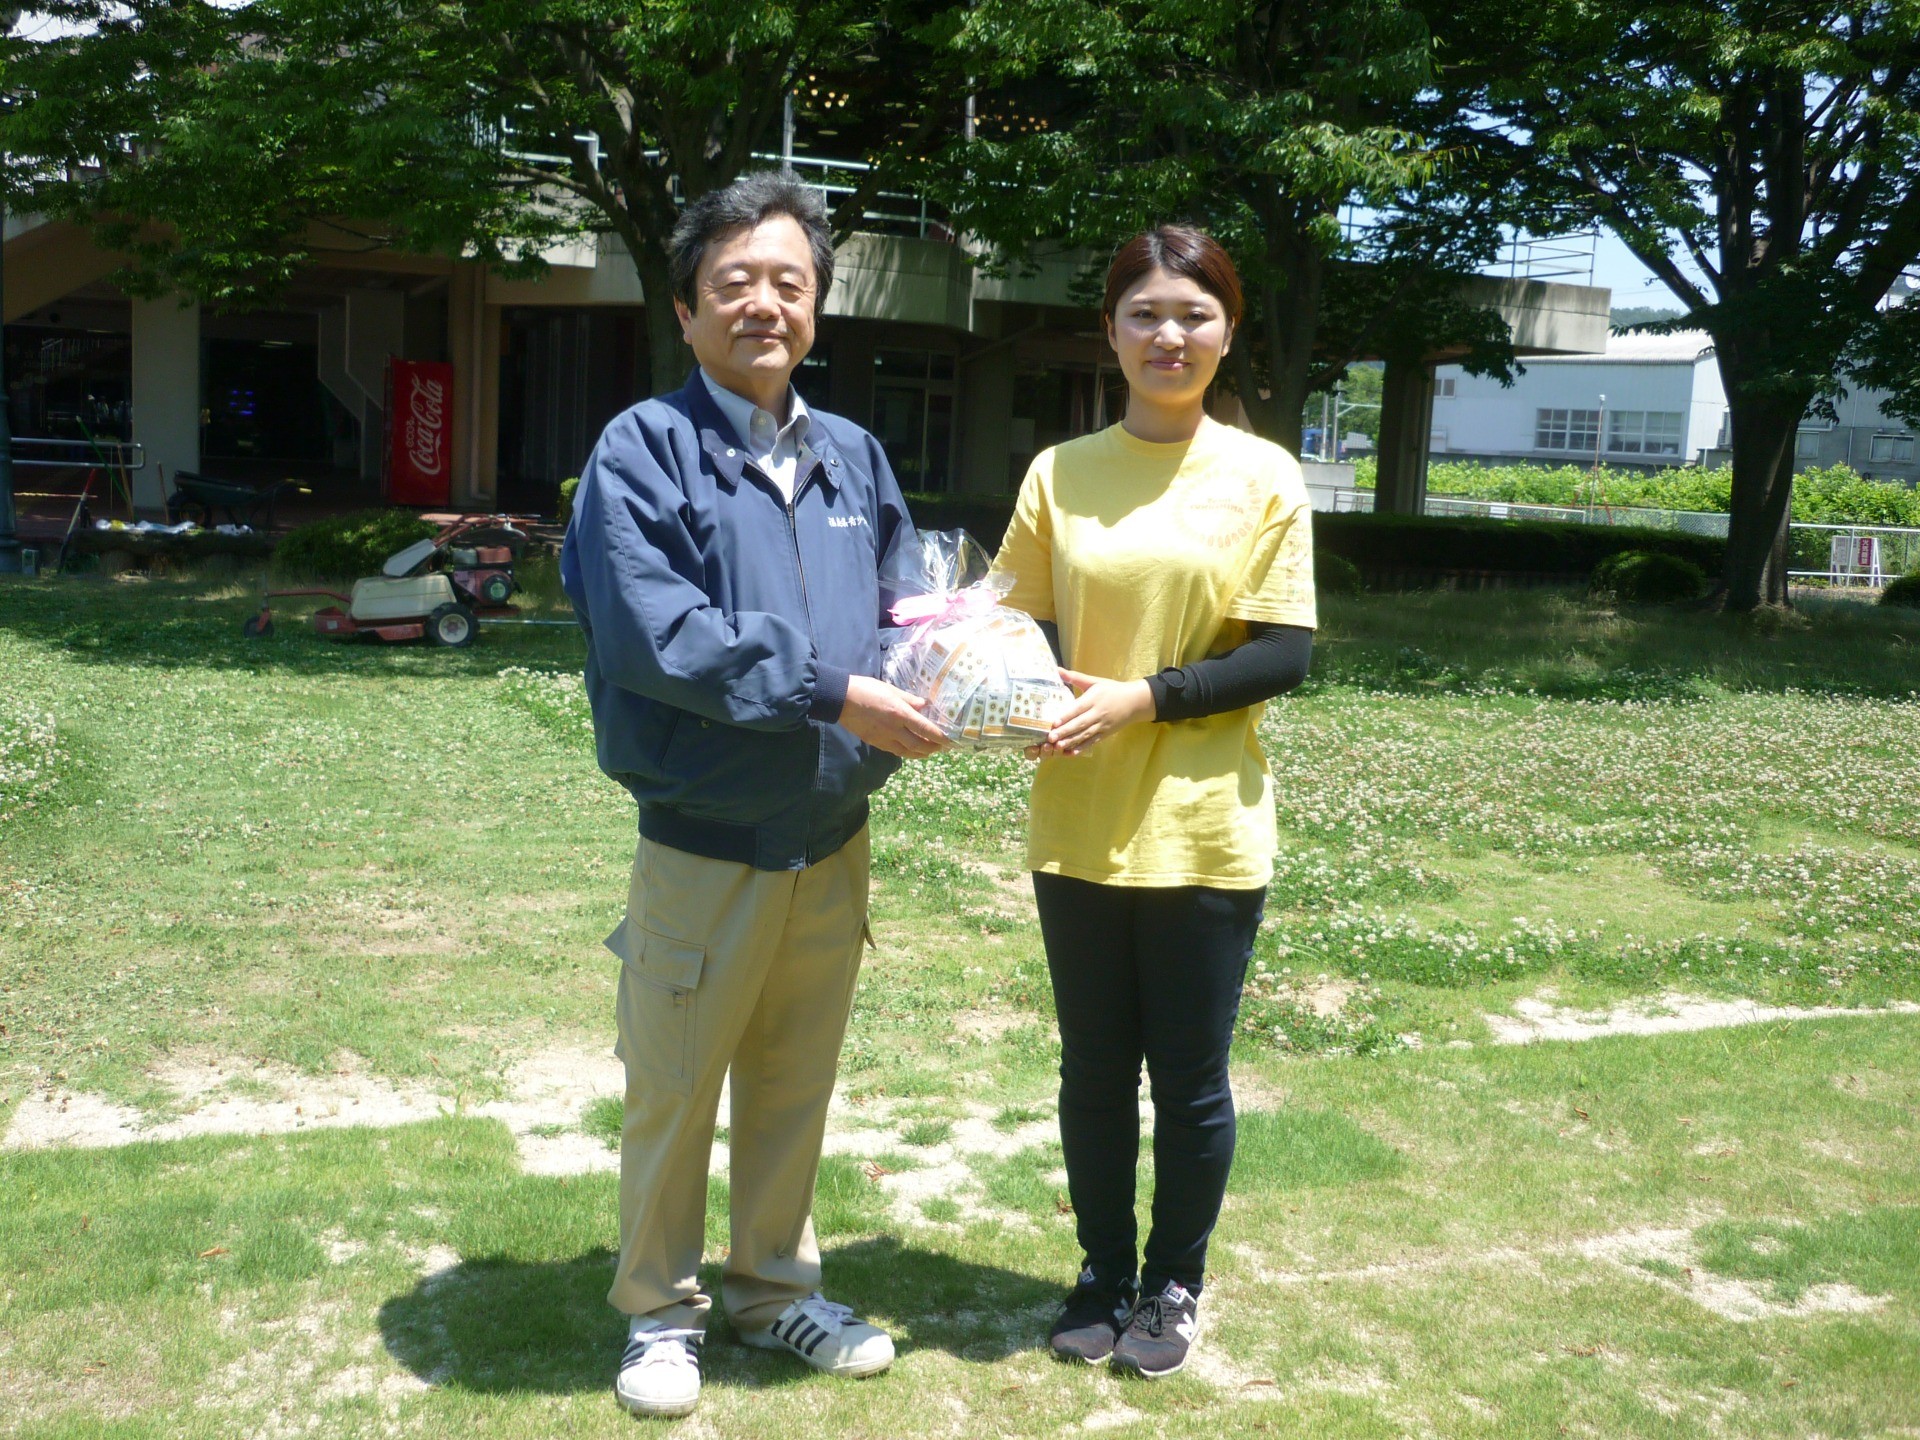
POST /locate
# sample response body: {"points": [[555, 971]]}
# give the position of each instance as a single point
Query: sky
{"points": [[1620, 270]]}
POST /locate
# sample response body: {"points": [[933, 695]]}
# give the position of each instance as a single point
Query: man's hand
{"points": [[1100, 708], [889, 719]]}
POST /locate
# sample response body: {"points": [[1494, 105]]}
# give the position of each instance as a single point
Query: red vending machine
{"points": [[419, 432]]}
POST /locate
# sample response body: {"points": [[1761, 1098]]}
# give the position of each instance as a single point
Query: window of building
{"points": [[1806, 444], [1566, 429], [1443, 388], [1644, 432], [1897, 448], [913, 409]]}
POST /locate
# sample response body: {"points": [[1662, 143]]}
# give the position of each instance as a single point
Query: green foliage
{"points": [[1335, 574], [1428, 543], [1904, 592], [1777, 145], [1259, 124], [1836, 495], [1624, 316], [567, 488], [345, 547], [218, 146], [1647, 577]]}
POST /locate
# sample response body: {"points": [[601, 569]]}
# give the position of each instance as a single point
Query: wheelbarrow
{"points": [[197, 497]]}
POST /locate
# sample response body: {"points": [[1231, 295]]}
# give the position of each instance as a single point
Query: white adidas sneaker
{"points": [[659, 1369], [828, 1336]]}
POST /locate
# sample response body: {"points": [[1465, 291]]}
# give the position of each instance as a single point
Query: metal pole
{"points": [[1333, 433], [9, 530], [786, 131]]}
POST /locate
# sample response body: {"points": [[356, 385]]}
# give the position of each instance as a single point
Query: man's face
{"points": [[752, 321]]}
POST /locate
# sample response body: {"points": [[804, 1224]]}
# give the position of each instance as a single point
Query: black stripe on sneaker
{"points": [[803, 1331], [816, 1342]]}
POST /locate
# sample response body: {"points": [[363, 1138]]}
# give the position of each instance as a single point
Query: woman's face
{"points": [[1169, 334]]}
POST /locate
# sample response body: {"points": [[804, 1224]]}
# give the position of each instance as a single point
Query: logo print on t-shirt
{"points": [[1219, 510]]}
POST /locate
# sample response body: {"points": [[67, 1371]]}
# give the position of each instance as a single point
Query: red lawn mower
{"points": [[439, 588]]}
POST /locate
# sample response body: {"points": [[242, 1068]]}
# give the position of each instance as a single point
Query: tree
{"points": [[1263, 123], [1762, 157], [225, 148]]}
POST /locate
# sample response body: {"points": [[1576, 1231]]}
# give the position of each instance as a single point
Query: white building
{"points": [[1650, 400]]}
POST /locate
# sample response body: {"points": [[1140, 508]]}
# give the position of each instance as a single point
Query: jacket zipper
{"points": [[806, 603], [799, 565]]}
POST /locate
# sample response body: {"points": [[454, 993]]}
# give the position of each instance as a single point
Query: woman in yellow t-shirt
{"points": [[1170, 559]]}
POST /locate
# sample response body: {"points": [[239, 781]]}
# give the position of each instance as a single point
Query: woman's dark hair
{"points": [[1178, 250], [742, 205]]}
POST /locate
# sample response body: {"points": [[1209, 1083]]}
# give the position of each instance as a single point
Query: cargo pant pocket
{"points": [[659, 984]]}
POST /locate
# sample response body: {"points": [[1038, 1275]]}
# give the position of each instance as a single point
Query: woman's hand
{"points": [[1100, 708]]}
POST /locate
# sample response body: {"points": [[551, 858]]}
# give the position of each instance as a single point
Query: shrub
{"points": [[567, 487], [344, 547], [1647, 577], [1335, 574], [1905, 592]]}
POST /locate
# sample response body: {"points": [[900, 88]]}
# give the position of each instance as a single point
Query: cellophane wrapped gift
{"points": [[986, 671]]}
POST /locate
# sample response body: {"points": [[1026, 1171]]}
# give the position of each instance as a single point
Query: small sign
{"points": [[1856, 557]]}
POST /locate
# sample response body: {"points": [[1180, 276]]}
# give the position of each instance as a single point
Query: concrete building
{"points": [[1649, 401], [963, 376]]}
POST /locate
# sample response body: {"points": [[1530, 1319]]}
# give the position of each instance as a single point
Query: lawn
{"points": [[306, 1088]]}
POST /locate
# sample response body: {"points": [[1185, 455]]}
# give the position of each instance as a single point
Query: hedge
{"points": [[1405, 544]]}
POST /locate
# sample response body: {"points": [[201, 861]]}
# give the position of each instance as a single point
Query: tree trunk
{"points": [[1284, 324], [1763, 430], [669, 360]]}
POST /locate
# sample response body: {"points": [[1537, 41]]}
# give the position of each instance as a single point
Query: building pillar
{"points": [[1406, 436], [986, 422], [166, 395], [473, 344]]}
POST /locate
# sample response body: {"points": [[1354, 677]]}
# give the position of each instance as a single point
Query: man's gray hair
{"points": [[748, 201]]}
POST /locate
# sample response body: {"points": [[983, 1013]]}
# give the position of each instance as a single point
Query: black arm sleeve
{"points": [[1273, 661]]}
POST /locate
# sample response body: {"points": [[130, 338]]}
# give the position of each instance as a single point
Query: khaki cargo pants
{"points": [[725, 966]]}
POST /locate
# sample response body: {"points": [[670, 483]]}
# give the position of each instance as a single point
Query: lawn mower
{"points": [[440, 587]]}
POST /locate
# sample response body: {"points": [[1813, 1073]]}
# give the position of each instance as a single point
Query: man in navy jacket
{"points": [[724, 559]]}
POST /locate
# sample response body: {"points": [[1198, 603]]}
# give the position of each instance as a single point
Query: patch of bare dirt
{"points": [[1537, 1018], [1673, 1251]]}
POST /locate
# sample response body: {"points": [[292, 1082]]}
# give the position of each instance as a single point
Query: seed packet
{"points": [[985, 670]]}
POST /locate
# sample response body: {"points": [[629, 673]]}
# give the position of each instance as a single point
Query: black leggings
{"points": [[1151, 974]]}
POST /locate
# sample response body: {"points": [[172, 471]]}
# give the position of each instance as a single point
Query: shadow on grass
{"points": [[1559, 645], [498, 1326], [163, 624]]}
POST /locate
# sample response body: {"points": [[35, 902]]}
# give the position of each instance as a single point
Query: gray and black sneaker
{"points": [[1160, 1335], [1090, 1322]]}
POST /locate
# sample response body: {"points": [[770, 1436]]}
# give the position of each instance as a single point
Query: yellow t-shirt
{"points": [[1147, 556]]}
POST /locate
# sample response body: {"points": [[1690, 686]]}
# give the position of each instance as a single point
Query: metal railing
{"points": [[81, 454], [891, 212]]}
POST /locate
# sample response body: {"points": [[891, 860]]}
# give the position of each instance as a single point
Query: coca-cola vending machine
{"points": [[419, 432]]}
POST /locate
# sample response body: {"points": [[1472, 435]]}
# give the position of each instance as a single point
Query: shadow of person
{"points": [[497, 1326]]}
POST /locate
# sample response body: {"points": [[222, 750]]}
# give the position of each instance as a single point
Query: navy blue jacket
{"points": [[723, 623]]}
